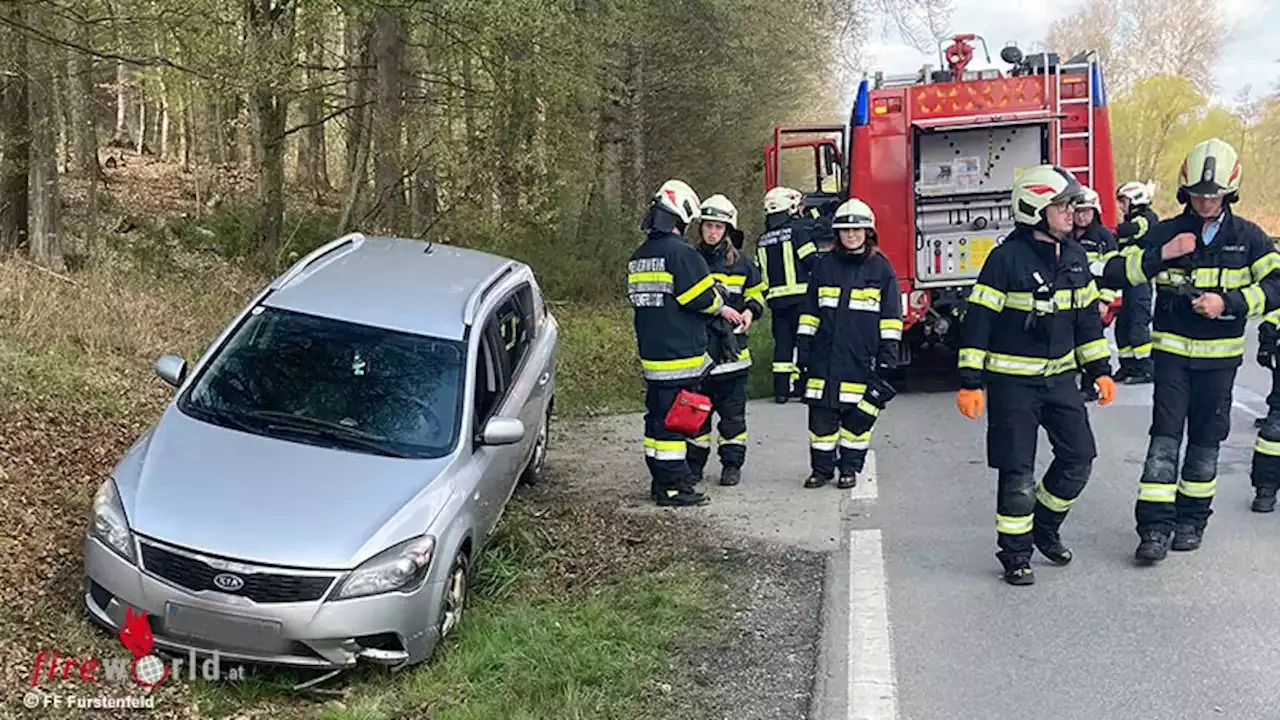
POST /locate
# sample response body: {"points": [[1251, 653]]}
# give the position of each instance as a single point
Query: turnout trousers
{"points": [[665, 452], [1016, 412], [785, 320], [1200, 402], [1265, 472], [728, 395], [1133, 329], [846, 428]]}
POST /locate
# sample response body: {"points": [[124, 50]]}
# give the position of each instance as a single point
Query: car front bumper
{"points": [[392, 629]]}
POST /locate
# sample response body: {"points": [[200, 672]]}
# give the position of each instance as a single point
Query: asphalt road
{"points": [[916, 622], [1195, 637]]}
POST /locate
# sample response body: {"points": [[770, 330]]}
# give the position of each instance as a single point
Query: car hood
{"points": [[259, 499]]}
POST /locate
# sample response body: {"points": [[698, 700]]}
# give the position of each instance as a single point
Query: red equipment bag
{"points": [[688, 412], [1112, 309]]}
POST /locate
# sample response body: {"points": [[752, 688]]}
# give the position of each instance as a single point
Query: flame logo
{"points": [[135, 634], [136, 637]]}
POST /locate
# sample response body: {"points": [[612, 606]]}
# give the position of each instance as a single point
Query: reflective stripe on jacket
{"points": [[851, 322], [1239, 265], [672, 294], [1032, 315]]}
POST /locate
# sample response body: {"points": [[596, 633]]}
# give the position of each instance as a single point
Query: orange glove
{"points": [[970, 403], [1106, 389]]}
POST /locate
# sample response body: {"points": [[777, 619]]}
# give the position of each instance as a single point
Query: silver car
{"points": [[318, 490]]}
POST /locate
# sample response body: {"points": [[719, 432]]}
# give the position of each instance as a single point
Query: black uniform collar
{"points": [[714, 253]]}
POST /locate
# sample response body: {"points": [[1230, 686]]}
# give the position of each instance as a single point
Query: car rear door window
{"points": [[515, 323]]}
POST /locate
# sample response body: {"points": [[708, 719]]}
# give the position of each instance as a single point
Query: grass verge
{"points": [[577, 607]]}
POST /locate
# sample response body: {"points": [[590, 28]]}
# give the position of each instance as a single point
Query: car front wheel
{"points": [[456, 595]]}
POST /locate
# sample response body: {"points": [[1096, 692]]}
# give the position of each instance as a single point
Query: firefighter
{"points": [[1212, 270], [673, 296], [785, 255], [1133, 322], [1032, 319], [1268, 349], [849, 333], [726, 385], [1099, 245], [1266, 453]]}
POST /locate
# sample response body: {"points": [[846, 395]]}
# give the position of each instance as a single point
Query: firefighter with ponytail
{"points": [[1032, 320], [720, 243], [849, 331]]}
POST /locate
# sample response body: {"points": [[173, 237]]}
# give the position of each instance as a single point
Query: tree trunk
{"points": [[45, 241], [16, 131], [121, 135], [356, 177], [313, 167], [270, 41], [142, 123], [388, 169], [633, 188], [163, 143], [84, 119], [61, 76], [356, 49]]}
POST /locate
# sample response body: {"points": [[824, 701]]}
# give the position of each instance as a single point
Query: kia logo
{"points": [[228, 582]]}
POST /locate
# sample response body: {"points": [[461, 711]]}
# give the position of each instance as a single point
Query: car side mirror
{"points": [[502, 431], [172, 369]]}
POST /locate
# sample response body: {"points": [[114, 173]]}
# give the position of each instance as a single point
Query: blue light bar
{"points": [[1099, 87], [862, 106]]}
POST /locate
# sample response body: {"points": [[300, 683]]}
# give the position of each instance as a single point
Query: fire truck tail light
{"points": [[884, 106]]}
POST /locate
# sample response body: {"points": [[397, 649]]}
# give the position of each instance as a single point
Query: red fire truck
{"points": [[935, 154]]}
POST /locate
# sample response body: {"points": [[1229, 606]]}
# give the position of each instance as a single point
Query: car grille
{"points": [[262, 587]]}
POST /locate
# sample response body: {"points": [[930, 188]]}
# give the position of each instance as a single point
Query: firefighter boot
{"points": [[1153, 548], [1123, 372], [683, 497], [847, 480], [816, 482], [1264, 501], [1139, 377], [1049, 543], [730, 475], [1187, 538], [1017, 569]]}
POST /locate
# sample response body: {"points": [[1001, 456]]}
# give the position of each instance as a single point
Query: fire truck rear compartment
{"points": [[963, 186]]}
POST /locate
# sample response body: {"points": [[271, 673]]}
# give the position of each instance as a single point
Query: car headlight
{"points": [[402, 568], [108, 523]]}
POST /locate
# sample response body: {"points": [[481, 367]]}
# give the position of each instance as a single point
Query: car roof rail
{"points": [[473, 303], [352, 239]]}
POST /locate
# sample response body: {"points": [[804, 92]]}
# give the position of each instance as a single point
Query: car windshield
{"points": [[322, 381]]}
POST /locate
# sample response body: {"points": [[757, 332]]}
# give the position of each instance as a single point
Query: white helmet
{"points": [[1038, 188], [783, 199], [1089, 199], [719, 209], [853, 213], [1138, 193], [1212, 168], [676, 197]]}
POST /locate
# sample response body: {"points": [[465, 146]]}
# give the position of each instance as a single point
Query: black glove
{"points": [[1265, 358]]}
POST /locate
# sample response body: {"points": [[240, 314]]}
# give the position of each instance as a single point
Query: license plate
{"points": [[222, 630]]}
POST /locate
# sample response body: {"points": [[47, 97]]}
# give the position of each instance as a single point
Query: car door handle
{"points": [[545, 377]]}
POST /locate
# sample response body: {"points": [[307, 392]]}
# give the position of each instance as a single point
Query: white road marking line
{"points": [[873, 686], [866, 489], [1240, 391]]}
